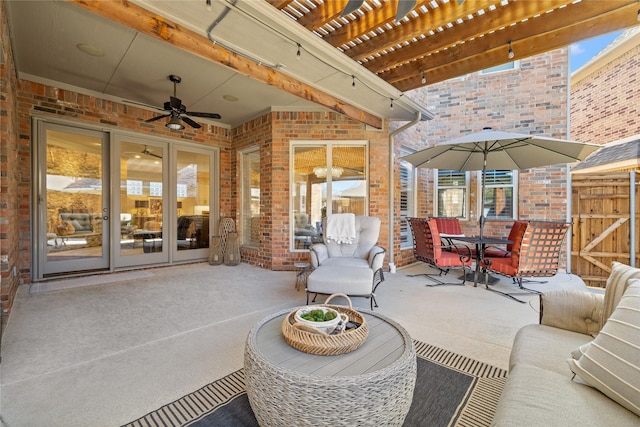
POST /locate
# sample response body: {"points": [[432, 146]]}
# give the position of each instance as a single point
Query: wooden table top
{"points": [[384, 345]]}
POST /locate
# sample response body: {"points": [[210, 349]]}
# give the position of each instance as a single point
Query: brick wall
{"points": [[43, 100], [603, 104], [290, 126], [532, 99], [13, 229]]}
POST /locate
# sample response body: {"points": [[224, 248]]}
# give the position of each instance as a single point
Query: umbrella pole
{"points": [[483, 177]]}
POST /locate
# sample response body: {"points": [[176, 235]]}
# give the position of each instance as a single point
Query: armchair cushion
{"points": [[80, 222], [354, 269], [367, 231], [572, 310]]}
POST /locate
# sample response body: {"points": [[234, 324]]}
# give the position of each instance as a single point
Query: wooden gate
{"points": [[602, 231]]}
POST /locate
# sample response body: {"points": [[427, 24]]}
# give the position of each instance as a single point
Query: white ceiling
{"points": [[135, 67]]}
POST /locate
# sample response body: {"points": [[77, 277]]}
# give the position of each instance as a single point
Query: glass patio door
{"points": [[193, 193], [73, 203], [141, 203]]}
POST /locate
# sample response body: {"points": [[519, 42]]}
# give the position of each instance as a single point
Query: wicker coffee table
{"points": [[372, 385]]}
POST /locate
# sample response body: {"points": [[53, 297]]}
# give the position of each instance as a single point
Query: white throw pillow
{"points": [[617, 282], [611, 363]]}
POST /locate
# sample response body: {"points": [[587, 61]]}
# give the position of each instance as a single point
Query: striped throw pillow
{"points": [[616, 285], [611, 363]]}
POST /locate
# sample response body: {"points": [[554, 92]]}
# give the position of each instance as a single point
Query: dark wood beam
{"points": [[146, 22]]}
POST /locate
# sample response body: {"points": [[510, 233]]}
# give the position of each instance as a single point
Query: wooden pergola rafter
{"points": [[440, 40]]}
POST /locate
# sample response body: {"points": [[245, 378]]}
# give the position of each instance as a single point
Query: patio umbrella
{"points": [[497, 150]]}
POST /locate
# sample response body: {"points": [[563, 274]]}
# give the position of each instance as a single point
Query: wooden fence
{"points": [[605, 217]]}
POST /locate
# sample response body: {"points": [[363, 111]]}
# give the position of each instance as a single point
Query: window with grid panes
{"points": [[499, 195], [452, 189]]}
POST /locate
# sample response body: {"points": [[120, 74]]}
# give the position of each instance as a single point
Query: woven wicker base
{"points": [[282, 395]]}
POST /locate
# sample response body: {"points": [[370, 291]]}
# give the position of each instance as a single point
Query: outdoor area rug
{"points": [[451, 390]]}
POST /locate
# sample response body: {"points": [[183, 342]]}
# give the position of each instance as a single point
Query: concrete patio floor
{"points": [[105, 350]]}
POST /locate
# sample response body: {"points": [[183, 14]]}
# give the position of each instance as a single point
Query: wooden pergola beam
{"points": [[146, 22], [492, 50]]}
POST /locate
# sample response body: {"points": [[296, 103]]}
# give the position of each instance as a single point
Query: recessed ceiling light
{"points": [[230, 98], [90, 49]]}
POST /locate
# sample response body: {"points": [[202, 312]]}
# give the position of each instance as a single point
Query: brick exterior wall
{"points": [[506, 100], [14, 230], [603, 107], [532, 99]]}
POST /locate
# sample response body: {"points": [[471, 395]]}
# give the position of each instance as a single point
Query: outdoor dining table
{"points": [[481, 244]]}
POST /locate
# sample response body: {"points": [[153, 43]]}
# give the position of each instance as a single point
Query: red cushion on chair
{"points": [[435, 235], [503, 265], [448, 225], [451, 259], [516, 233]]}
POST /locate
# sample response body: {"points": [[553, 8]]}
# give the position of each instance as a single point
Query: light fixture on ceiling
{"points": [[90, 49], [391, 103], [298, 53], [230, 98], [321, 171], [424, 78], [175, 123], [353, 82], [638, 14], [510, 54]]}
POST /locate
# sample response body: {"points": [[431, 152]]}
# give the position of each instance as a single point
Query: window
{"points": [[407, 198], [502, 67], [452, 189], [326, 178], [500, 194], [250, 223]]}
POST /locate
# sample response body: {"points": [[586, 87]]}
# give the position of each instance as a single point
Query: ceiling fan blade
{"points": [[352, 6], [153, 119], [404, 7], [205, 115], [191, 123], [175, 103]]}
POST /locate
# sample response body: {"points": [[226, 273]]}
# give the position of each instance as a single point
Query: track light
{"points": [[511, 54], [175, 123], [298, 53]]}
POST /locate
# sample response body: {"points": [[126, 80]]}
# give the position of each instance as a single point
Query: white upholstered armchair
{"points": [[354, 269]]}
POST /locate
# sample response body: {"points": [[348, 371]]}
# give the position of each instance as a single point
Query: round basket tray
{"points": [[313, 341]]}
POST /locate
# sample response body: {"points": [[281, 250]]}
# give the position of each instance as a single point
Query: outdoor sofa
{"points": [[541, 389]]}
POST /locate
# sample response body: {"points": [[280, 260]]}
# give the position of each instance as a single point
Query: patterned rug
{"points": [[451, 390]]}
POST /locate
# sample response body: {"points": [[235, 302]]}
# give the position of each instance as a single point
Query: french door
{"points": [[110, 200], [72, 199]]}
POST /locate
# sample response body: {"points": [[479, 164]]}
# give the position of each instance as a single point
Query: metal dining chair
{"points": [[535, 254], [428, 248]]}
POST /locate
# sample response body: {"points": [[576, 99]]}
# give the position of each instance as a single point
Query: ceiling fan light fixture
{"points": [[175, 123], [321, 171]]}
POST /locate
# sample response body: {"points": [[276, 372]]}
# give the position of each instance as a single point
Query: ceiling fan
{"points": [[178, 112], [150, 153]]}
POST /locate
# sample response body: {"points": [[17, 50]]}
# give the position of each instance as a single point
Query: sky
{"points": [[583, 51]]}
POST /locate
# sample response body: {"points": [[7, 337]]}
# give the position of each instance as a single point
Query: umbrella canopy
{"points": [[497, 150]]}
